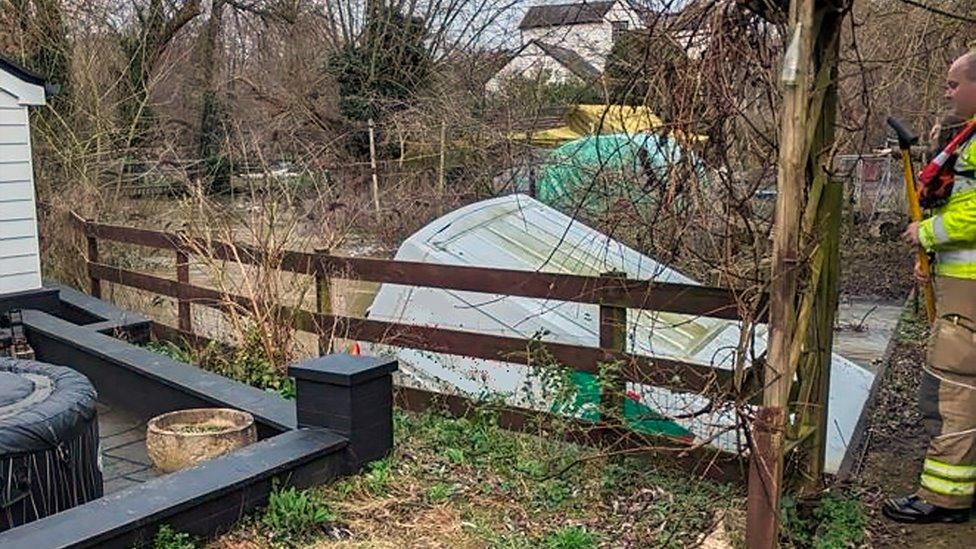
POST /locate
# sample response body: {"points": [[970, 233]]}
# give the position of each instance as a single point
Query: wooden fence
{"points": [[612, 292]]}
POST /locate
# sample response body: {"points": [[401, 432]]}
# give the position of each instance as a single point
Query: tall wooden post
{"points": [[766, 467], [813, 409], [183, 277], [323, 300], [374, 180], [806, 137], [440, 171], [613, 336], [94, 284]]}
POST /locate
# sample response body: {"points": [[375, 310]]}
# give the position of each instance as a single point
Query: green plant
{"points": [[344, 487], [247, 364], [168, 538], [552, 493], [835, 522], [454, 455], [379, 476], [440, 492], [570, 537], [381, 71], [542, 89], [841, 523], [912, 328], [796, 523], [293, 514], [170, 350]]}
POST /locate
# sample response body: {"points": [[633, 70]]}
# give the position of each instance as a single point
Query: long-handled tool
{"points": [[905, 141]]}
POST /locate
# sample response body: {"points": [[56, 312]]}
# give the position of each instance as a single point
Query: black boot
{"points": [[915, 510]]}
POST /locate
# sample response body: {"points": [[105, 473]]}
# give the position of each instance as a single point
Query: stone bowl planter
{"points": [[179, 439]]}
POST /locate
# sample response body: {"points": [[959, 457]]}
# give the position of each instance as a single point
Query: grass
{"points": [[571, 537], [469, 483]]}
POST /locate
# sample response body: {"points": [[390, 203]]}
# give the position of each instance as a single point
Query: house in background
{"points": [[540, 60], [567, 42], [20, 267], [587, 28]]}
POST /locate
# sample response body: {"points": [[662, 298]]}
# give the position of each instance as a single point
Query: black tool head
{"points": [[905, 136]]}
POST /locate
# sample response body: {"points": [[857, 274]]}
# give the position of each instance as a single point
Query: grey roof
{"points": [[21, 72], [570, 59], [565, 14]]}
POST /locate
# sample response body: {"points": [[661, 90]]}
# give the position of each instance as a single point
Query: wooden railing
{"points": [[612, 292]]}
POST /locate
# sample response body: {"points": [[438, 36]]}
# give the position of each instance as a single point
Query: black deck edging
{"points": [[200, 500], [45, 299], [95, 314], [120, 372]]}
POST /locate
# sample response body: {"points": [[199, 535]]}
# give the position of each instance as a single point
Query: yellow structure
{"points": [[583, 120]]}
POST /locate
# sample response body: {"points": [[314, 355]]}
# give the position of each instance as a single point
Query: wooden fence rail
{"points": [[607, 291], [612, 292]]}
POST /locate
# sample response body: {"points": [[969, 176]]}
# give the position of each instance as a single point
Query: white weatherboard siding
{"points": [[20, 267]]}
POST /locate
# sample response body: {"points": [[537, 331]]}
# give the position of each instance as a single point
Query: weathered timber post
{"points": [[806, 133], [441, 188], [323, 299], [94, 284], [183, 277], [613, 336], [375, 181], [769, 426], [813, 401]]}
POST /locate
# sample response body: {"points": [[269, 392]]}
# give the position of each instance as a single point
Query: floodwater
{"points": [[863, 329]]}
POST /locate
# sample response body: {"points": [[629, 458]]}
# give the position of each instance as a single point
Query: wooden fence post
{"points": [[814, 391], [441, 188], [375, 187], [762, 506], [613, 336], [808, 78], [94, 284], [183, 305], [323, 300]]}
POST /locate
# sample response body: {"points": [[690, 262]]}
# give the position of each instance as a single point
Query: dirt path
{"points": [[895, 447]]}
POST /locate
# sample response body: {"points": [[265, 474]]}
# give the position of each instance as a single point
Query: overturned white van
{"points": [[517, 232]]}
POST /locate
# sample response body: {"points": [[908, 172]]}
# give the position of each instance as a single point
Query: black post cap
{"points": [[343, 369]]}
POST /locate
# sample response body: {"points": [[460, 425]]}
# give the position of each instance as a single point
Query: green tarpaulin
{"points": [[597, 173]]}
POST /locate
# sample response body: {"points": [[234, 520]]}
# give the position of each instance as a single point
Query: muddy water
{"points": [[863, 329]]}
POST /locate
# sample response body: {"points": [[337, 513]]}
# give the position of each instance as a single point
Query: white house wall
{"points": [[528, 64], [590, 40], [19, 258], [621, 12]]}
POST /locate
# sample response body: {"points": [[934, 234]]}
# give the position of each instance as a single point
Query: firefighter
{"points": [[947, 394]]}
